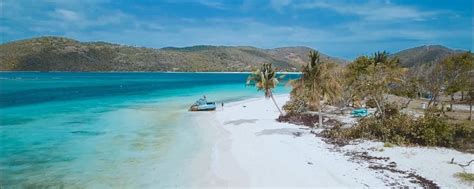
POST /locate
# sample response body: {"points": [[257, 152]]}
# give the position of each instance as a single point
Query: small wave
{"points": [[88, 133]]}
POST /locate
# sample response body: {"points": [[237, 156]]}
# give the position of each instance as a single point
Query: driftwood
{"points": [[461, 165]]}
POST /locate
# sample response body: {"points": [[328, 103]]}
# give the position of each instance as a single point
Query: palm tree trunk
{"points": [[470, 111], [442, 108], [379, 107], [271, 95], [432, 100], [320, 115], [408, 103], [451, 104]]}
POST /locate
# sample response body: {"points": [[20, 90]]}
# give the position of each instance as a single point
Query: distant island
{"points": [[63, 54]]}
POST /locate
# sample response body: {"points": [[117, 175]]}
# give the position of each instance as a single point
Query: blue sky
{"points": [[345, 29]]}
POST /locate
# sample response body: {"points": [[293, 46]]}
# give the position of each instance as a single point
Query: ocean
{"points": [[102, 130]]}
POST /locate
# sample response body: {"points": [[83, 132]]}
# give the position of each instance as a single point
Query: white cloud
{"points": [[64, 19], [67, 15], [279, 4], [373, 11], [377, 25], [212, 4], [74, 3]]}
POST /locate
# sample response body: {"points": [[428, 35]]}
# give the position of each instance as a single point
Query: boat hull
{"points": [[210, 106]]}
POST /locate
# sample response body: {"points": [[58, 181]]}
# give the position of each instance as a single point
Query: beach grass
{"points": [[388, 145], [465, 177]]}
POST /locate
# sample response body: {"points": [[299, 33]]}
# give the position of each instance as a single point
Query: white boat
{"points": [[203, 105]]}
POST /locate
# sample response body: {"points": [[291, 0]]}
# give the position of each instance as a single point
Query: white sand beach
{"points": [[247, 147]]}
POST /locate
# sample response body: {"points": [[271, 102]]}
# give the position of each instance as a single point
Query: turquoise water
{"points": [[97, 130]]}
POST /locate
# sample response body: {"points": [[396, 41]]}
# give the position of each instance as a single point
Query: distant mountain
{"points": [[63, 54], [424, 54], [299, 55]]}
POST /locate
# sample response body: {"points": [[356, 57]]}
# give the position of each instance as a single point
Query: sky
{"points": [[341, 28]]}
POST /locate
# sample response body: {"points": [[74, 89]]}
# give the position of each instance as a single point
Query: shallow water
{"points": [[99, 130]]}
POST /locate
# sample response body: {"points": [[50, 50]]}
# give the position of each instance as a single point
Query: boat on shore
{"points": [[203, 105]]}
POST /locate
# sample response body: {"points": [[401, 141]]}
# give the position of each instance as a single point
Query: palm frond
{"points": [[264, 79]]}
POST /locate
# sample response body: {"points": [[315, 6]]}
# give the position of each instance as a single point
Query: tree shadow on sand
{"points": [[240, 121]]}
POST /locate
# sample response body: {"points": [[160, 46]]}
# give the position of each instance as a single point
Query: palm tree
{"points": [[323, 85], [265, 80], [380, 57], [318, 83], [299, 92]]}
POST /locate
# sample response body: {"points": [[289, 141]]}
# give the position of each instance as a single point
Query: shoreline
{"points": [[246, 147], [171, 72]]}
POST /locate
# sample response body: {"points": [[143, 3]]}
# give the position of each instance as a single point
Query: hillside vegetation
{"points": [[424, 55], [62, 54], [379, 82]]}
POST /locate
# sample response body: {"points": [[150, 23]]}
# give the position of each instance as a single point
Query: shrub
{"points": [[401, 129], [335, 132], [464, 136], [299, 119], [465, 177], [294, 106], [433, 130], [391, 110], [370, 103], [394, 129], [388, 145]]}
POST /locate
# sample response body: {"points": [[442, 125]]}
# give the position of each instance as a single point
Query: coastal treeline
{"points": [[412, 105]]}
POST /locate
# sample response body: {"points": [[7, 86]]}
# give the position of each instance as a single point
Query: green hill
{"points": [[63, 54], [424, 54]]}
